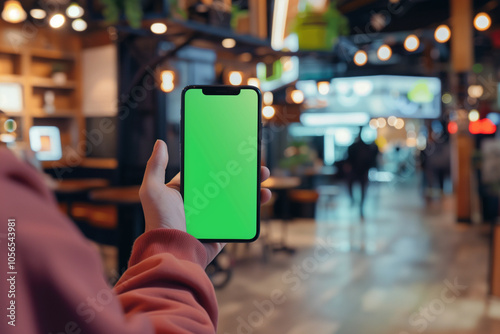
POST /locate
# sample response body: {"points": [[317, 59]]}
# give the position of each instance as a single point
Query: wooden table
{"points": [[78, 185], [281, 185], [120, 195], [130, 217], [71, 190]]}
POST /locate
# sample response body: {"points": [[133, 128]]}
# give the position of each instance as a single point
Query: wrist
{"points": [[162, 240]]}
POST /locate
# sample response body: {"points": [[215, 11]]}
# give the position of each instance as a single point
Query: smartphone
{"points": [[220, 162]]}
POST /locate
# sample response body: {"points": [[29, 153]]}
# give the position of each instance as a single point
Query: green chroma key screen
{"points": [[221, 162]]}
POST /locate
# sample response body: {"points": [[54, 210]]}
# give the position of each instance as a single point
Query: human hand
{"points": [[162, 203]]}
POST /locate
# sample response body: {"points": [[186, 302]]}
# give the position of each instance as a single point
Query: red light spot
{"points": [[483, 126], [452, 127]]}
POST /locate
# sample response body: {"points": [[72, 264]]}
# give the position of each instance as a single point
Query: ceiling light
{"points": [[482, 21], [228, 43], [158, 28], [360, 58], [38, 13], [13, 12], [79, 25], [57, 21], [384, 52], [411, 43], [74, 11], [279, 24], [442, 33]]}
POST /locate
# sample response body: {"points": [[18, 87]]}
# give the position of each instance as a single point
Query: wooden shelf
{"points": [[11, 78], [8, 50], [52, 54], [50, 84], [15, 114], [60, 113], [32, 65]]}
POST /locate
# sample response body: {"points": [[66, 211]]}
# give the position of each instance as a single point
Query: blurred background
{"points": [[380, 130]]}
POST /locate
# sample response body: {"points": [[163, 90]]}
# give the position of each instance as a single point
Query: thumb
{"points": [[157, 163]]}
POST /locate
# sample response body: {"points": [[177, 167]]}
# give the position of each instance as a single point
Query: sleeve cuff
{"points": [[162, 240]]}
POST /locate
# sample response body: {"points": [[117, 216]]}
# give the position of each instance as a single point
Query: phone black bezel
{"points": [[226, 90]]}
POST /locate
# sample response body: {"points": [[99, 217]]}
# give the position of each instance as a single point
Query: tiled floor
{"points": [[408, 268]]}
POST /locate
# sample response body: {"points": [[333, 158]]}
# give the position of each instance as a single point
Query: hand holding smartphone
{"points": [[220, 162]]}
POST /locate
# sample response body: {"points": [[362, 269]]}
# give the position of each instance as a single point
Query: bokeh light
{"points": [[473, 115], [268, 112], [57, 21], [159, 28], [384, 52], [411, 43], [482, 21], [297, 96], [442, 34], [235, 78], [360, 58]]}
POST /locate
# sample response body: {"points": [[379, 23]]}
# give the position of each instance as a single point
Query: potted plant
{"points": [[131, 8], [319, 31]]}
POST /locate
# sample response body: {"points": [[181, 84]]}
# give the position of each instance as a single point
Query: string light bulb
{"points": [[79, 25], [235, 78], [442, 33], [360, 58], [297, 96], [167, 81], [411, 43], [268, 98], [38, 13], [384, 52], [57, 21], [400, 123], [158, 28], [268, 112], [74, 11], [482, 21], [228, 43]]}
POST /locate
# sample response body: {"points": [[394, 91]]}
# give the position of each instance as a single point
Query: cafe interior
{"points": [[407, 88]]}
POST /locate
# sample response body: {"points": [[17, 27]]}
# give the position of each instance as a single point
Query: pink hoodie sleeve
{"points": [[60, 288]]}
